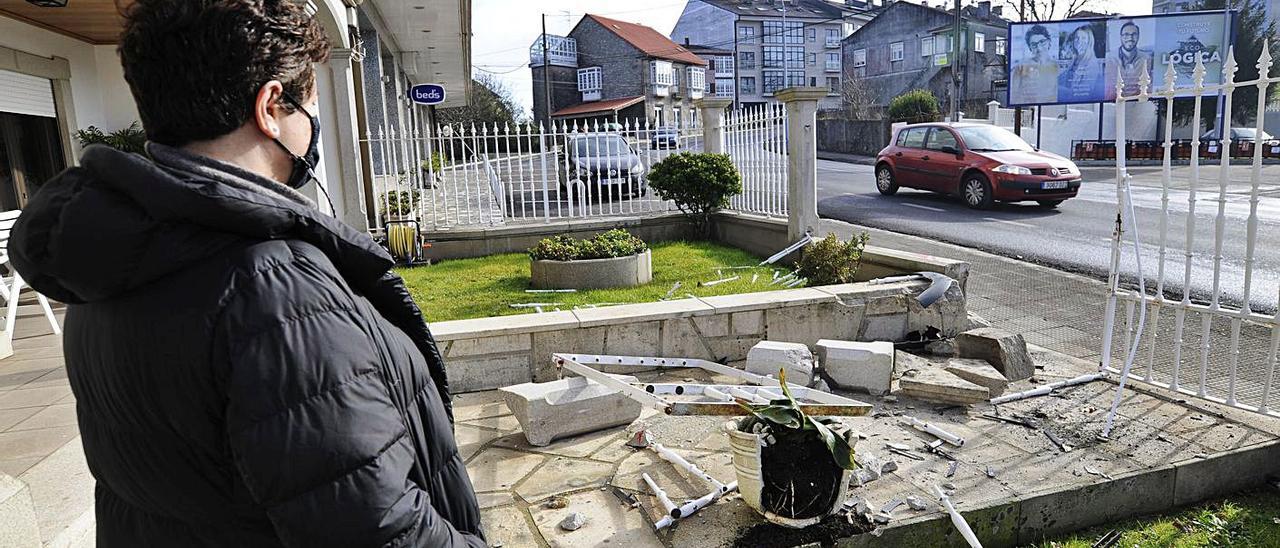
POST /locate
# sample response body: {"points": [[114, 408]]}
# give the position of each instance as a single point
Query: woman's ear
{"points": [[267, 110]]}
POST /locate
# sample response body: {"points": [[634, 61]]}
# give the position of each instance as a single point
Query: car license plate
{"points": [[1053, 185]]}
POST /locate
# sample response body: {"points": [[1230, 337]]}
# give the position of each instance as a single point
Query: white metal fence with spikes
{"points": [[1198, 352], [756, 140]]}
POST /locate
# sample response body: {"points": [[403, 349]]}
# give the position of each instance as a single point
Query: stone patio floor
{"points": [[1163, 453]]}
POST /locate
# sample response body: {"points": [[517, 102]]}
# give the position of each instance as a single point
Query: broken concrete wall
{"points": [[487, 353]]}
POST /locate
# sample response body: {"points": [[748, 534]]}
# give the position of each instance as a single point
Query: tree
{"points": [[856, 96], [490, 102], [1047, 10], [914, 106], [1253, 31]]}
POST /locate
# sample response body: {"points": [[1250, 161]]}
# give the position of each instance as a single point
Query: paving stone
{"points": [[675, 482], [32, 397], [609, 521], [498, 469], [558, 409], [562, 475], [52, 416], [10, 417], [864, 366], [479, 405], [34, 443], [769, 357], [470, 438], [978, 372], [508, 527], [18, 525], [1007, 352], [936, 385], [494, 500]]}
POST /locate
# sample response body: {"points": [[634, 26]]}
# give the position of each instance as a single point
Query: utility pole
{"points": [[1008, 50], [955, 68], [546, 72]]}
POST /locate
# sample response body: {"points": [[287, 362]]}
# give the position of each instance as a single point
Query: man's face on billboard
{"points": [[1039, 46], [1129, 38]]}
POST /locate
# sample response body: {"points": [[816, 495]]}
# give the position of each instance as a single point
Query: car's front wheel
{"points": [[884, 181], [1049, 204], [977, 192]]}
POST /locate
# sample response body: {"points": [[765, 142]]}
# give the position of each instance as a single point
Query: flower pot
{"points": [[628, 271], [792, 485]]}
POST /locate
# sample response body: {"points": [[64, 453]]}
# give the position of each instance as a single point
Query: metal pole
{"points": [[1100, 109], [1037, 126], [955, 65], [1017, 111], [546, 71]]}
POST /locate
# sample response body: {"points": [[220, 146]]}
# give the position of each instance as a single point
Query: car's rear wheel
{"points": [[977, 192], [1049, 204], [884, 181]]}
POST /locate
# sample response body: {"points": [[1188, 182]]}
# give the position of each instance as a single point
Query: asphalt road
{"points": [[1077, 235]]}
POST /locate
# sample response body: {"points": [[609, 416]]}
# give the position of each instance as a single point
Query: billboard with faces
{"points": [[1083, 60]]}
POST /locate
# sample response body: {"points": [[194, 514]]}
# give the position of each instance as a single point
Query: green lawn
{"points": [[1250, 520], [488, 286]]}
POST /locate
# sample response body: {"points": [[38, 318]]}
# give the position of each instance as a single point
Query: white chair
{"points": [[11, 288]]}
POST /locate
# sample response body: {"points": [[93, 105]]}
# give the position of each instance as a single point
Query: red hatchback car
{"points": [[983, 164]]}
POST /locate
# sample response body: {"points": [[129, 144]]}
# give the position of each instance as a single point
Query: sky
{"points": [[503, 30]]}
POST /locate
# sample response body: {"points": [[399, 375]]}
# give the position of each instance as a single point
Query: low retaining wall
{"points": [[480, 242], [488, 353]]}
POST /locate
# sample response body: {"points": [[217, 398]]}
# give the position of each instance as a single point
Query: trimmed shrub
{"points": [[831, 261], [915, 106], [397, 203], [606, 245], [698, 182]]}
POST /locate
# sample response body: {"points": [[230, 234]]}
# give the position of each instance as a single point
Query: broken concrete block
{"points": [[552, 410], [915, 503], [573, 522], [935, 385], [978, 372], [768, 357], [1006, 351], [866, 366], [976, 321], [904, 362]]}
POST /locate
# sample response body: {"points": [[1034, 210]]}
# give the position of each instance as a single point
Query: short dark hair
{"points": [[1128, 24], [1036, 29], [195, 66]]}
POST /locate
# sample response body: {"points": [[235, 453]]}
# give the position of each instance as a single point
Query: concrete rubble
{"points": [[573, 521], [768, 357], [936, 385], [978, 372], [552, 410], [1005, 351], [862, 366]]}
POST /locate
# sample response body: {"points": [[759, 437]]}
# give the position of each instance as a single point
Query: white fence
{"points": [[756, 140], [494, 175], [1198, 351]]}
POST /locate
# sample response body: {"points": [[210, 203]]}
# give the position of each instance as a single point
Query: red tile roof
{"points": [[649, 41], [609, 105]]}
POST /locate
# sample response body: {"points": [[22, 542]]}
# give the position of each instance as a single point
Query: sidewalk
{"points": [[847, 158]]}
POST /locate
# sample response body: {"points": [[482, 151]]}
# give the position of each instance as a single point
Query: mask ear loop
{"points": [[311, 174]]}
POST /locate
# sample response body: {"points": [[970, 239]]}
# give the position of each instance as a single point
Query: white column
{"points": [[802, 167], [347, 173], [711, 117]]}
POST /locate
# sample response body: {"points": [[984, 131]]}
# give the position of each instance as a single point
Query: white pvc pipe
{"points": [[716, 394], [956, 519], [1048, 388], [668, 506], [693, 506], [743, 394], [934, 431], [679, 462]]}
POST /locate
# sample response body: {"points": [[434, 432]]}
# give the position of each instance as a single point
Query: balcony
{"points": [[562, 51], [833, 66], [659, 90]]}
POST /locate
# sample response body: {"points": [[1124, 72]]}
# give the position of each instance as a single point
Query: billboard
{"points": [[1082, 60]]}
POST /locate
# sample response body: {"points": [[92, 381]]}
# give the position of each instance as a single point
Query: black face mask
{"points": [[304, 166]]}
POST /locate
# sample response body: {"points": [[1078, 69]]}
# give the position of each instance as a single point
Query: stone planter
{"points": [[626, 271]]}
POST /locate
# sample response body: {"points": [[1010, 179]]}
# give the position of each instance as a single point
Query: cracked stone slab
{"points": [[562, 475], [608, 522], [978, 372], [1006, 351], [865, 366], [936, 385], [768, 357], [558, 409]]}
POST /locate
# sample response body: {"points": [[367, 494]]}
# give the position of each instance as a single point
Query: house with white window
{"points": [[617, 71], [910, 46], [777, 43], [60, 73]]}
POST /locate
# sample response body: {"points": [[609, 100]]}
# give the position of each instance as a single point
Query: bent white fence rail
{"points": [[1197, 352]]}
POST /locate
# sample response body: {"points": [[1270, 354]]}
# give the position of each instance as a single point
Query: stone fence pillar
{"points": [[712, 117], [802, 167]]}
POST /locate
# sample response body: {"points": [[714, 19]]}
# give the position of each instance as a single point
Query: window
{"points": [[813, 59], [675, 76], [813, 81], [747, 60], [773, 57], [1000, 46], [795, 78], [589, 79], [661, 73], [915, 137], [724, 87], [697, 78], [795, 57], [833, 60], [746, 35], [813, 34], [939, 138], [777, 32], [724, 65], [774, 80], [926, 46], [833, 85], [833, 38], [895, 51], [860, 57], [979, 42], [747, 85]]}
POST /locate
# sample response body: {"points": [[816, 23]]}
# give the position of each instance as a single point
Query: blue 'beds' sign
{"points": [[427, 94]]}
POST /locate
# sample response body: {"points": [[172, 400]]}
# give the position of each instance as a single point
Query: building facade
{"points": [[909, 46], [617, 70], [776, 43]]}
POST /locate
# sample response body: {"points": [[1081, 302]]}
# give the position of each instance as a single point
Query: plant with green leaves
{"points": [[786, 420], [399, 203], [831, 261], [914, 106], [698, 182], [606, 245], [130, 139]]}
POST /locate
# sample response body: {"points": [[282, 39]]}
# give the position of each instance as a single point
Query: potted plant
{"points": [[698, 182], [610, 259], [398, 205], [792, 468]]}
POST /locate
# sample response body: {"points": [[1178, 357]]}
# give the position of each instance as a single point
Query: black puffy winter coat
{"points": [[247, 370]]}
